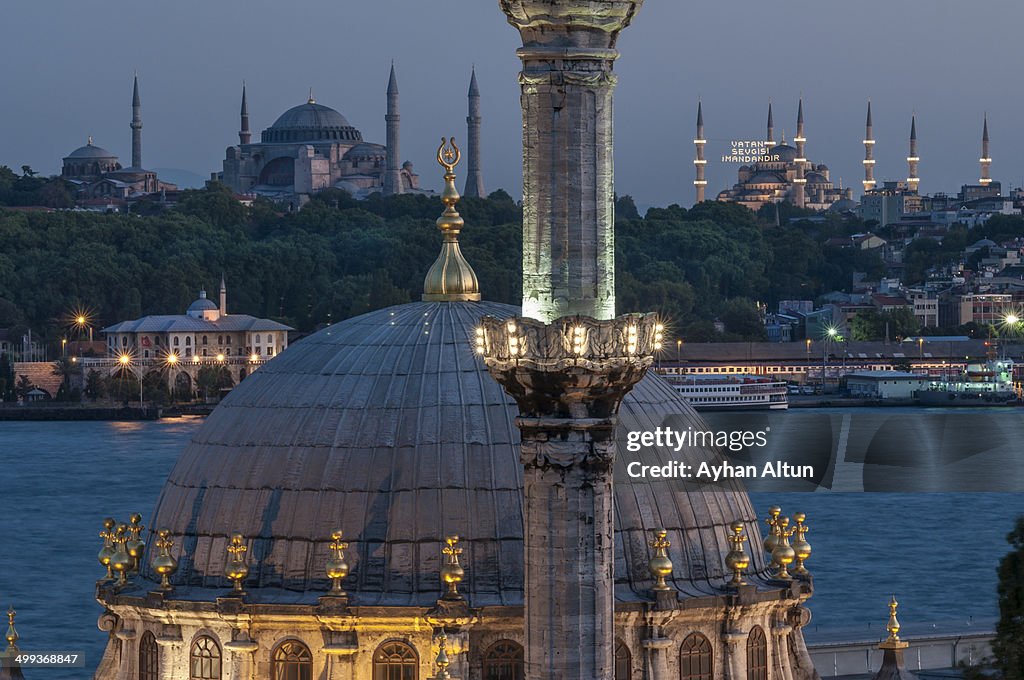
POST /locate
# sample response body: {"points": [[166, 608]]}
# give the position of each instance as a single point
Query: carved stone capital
{"points": [[582, 22]]}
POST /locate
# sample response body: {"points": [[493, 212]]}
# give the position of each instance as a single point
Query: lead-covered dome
{"points": [[90, 152], [311, 122], [389, 427]]}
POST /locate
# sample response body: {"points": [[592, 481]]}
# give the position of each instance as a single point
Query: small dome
{"points": [[766, 178], [202, 304], [785, 153], [816, 178], [90, 150], [366, 151], [311, 122]]}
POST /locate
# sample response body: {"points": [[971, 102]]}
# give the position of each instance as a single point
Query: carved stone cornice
{"points": [[593, 22]]}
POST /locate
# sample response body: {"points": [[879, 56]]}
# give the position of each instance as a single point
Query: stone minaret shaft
{"points": [[771, 127], [136, 125], [869, 153], [474, 170], [244, 135], [568, 193], [913, 181], [568, 395], [985, 160], [700, 163], [800, 182], [392, 173]]}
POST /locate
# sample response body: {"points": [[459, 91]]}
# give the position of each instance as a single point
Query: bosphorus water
{"points": [[937, 552]]}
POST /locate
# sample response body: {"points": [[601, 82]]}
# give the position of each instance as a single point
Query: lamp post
{"points": [[126, 362]]}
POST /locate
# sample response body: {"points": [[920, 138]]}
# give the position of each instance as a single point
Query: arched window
{"points": [[204, 340], [503, 661], [188, 340], [757, 655], [204, 659], [176, 340], [695, 660], [257, 338], [292, 661], [395, 660], [623, 661], [149, 657]]}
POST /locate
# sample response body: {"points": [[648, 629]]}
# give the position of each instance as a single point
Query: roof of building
{"points": [[887, 375], [202, 303], [388, 427], [366, 150], [785, 152], [765, 177], [183, 323], [90, 150], [311, 122]]}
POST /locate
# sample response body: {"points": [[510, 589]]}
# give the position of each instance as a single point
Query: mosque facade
{"points": [[99, 176], [779, 172], [434, 490]]}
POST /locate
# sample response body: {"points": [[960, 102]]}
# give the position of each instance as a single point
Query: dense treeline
{"points": [[338, 257]]}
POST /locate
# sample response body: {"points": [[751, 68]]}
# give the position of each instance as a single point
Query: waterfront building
{"points": [[206, 334], [374, 505], [98, 175], [780, 172], [885, 384]]}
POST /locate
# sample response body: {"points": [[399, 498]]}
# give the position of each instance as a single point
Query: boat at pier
{"points": [[981, 384], [721, 392]]}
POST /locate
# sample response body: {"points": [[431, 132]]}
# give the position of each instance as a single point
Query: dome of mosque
{"points": [[90, 151], [389, 427], [202, 303], [311, 122], [785, 153]]}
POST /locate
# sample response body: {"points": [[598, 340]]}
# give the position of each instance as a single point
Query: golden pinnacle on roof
{"points": [[121, 561], [442, 661], [893, 626], [452, 571], [107, 551], [800, 546], [12, 634], [660, 565], [164, 563], [236, 569], [135, 545], [450, 278], [783, 554], [737, 560], [337, 567]]}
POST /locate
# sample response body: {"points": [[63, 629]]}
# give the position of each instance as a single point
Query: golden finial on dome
{"points": [[312, 99], [337, 567], [451, 278], [800, 546], [121, 561], [771, 540], [135, 545], [164, 563], [737, 560], [660, 565], [783, 554], [12, 634], [107, 551], [236, 569], [442, 659], [452, 571]]}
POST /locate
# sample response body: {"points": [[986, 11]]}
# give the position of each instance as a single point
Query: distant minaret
{"points": [[136, 125], [799, 192], [913, 159], [869, 154], [392, 173], [985, 160], [224, 291], [474, 172], [244, 136], [771, 127], [699, 163]]}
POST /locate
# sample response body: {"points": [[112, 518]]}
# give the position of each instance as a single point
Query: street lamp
{"points": [[126, 362]]}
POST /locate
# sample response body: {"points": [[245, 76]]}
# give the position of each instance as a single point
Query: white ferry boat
{"points": [[988, 384], [720, 392]]}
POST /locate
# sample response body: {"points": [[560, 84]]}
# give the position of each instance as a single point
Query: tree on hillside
{"points": [[1008, 646], [8, 389]]}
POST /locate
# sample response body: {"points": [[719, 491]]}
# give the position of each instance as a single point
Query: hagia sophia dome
{"points": [[311, 122]]}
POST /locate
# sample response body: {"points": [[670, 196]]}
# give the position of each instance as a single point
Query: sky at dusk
{"points": [[69, 64]]}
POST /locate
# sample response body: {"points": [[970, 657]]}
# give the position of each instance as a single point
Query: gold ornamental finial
{"points": [[12, 634], [660, 565], [121, 561], [772, 521], [800, 546], [89, 141], [442, 659], [452, 572], [312, 99], [737, 560], [107, 551], [451, 278], [893, 626], [236, 569], [783, 555], [337, 567], [135, 545], [164, 563]]}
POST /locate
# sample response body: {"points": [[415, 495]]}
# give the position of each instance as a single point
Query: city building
{"points": [[885, 384], [206, 334], [780, 172], [374, 505], [312, 147], [99, 177]]}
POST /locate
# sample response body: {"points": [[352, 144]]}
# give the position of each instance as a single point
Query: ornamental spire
{"points": [[451, 278]]}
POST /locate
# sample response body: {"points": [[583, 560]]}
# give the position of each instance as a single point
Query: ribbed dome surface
{"points": [[91, 151], [311, 122], [389, 427]]}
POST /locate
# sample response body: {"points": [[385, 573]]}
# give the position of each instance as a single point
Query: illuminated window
{"points": [[623, 661], [395, 661], [695, 660], [757, 655], [149, 657], [204, 659], [292, 661], [504, 661]]}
